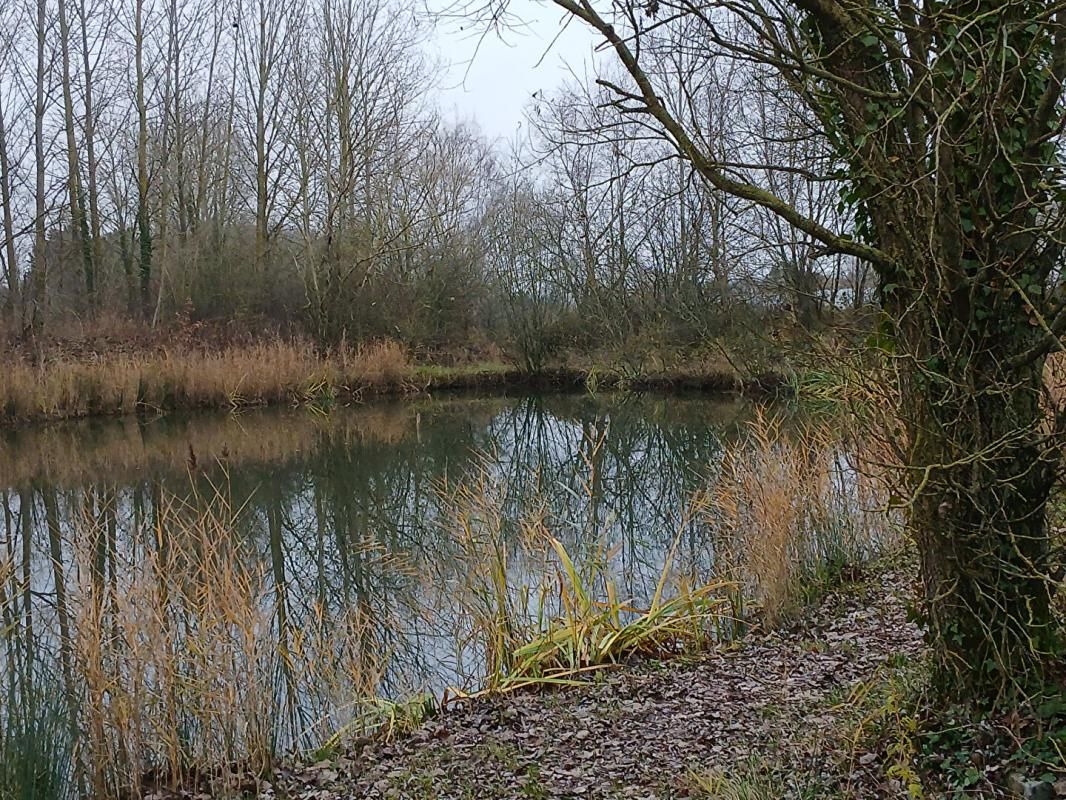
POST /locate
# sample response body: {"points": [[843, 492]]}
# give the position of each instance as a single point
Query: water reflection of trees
{"points": [[350, 515]]}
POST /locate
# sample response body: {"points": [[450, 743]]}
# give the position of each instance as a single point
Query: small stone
{"points": [[1040, 790], [1023, 789], [866, 759]]}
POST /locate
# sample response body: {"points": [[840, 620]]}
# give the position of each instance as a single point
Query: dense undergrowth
{"points": [[108, 365]]}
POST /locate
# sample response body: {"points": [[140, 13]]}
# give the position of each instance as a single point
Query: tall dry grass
{"points": [[275, 372], [791, 510], [188, 657], [192, 670]]}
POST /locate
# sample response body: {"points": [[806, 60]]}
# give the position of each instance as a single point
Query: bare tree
{"points": [[10, 258], [40, 257], [144, 228], [78, 216]]}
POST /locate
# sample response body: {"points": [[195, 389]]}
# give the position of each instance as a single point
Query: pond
{"points": [[159, 574]]}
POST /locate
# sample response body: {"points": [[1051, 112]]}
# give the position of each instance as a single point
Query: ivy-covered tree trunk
{"points": [[979, 473], [967, 292]]}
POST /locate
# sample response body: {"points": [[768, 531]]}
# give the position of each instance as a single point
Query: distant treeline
{"points": [[283, 163]]}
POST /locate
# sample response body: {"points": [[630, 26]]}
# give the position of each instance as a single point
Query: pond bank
{"points": [[761, 719], [280, 373]]}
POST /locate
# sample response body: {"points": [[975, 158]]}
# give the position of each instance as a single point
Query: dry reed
{"points": [[788, 512], [536, 617], [275, 372], [188, 658], [190, 665]]}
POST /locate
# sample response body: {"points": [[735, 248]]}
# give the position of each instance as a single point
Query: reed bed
{"points": [[185, 658], [266, 373], [34, 743], [34, 737], [189, 666], [789, 512]]}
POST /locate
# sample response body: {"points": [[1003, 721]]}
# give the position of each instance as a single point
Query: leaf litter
{"points": [[774, 703]]}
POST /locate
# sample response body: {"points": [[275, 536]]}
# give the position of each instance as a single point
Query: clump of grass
{"points": [[547, 620], [376, 364], [34, 744], [588, 633], [746, 782], [791, 513], [34, 740], [821, 390], [378, 716]]}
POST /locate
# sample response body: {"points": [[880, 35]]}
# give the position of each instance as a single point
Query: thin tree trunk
{"points": [[40, 257], [79, 223], [144, 228], [261, 166], [10, 259], [90, 147]]}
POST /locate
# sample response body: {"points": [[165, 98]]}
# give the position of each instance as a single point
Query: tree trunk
{"points": [[10, 258], [980, 471], [40, 257], [144, 228], [78, 221], [91, 165]]}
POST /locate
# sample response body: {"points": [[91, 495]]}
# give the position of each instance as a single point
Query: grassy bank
{"points": [[270, 373], [292, 373]]}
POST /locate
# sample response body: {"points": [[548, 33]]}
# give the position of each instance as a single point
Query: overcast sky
{"points": [[492, 83]]}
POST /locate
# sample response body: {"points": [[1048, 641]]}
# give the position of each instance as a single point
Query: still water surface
{"points": [[357, 509]]}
